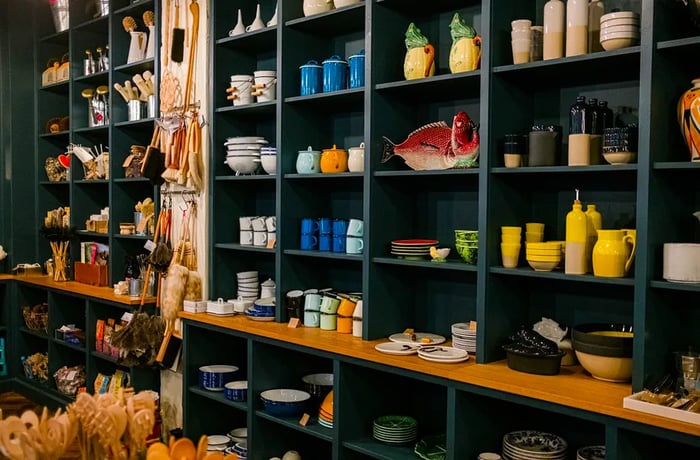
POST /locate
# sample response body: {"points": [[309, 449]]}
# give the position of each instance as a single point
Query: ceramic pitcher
{"points": [[611, 258], [689, 119], [465, 54], [420, 55]]}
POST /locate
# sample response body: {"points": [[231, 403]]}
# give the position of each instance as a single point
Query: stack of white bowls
{"points": [[248, 285], [268, 159], [619, 29], [243, 153]]}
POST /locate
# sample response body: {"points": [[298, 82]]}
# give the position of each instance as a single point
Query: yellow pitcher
{"points": [[689, 119], [420, 55], [611, 258], [465, 54]]}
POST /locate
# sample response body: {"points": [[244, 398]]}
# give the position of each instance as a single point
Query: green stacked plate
{"points": [[395, 429]]}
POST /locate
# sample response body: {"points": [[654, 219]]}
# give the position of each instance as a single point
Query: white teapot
{"points": [[312, 7]]}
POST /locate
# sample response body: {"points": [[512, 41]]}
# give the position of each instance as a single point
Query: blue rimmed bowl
{"points": [[236, 390], [284, 402], [214, 377], [265, 306]]}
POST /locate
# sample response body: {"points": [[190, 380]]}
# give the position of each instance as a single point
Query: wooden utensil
{"points": [[194, 9], [177, 49], [129, 24]]}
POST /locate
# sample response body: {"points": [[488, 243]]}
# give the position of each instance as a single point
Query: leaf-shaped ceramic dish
{"points": [[432, 447]]}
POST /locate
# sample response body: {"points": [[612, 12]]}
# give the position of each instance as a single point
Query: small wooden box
{"points": [[92, 274]]}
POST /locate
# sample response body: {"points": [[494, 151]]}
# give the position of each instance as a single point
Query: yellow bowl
{"points": [[535, 227], [542, 266], [511, 239], [544, 245], [606, 368], [543, 252], [619, 158], [543, 258], [511, 230]]}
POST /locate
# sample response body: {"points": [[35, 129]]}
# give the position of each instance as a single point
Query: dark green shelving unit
{"points": [[656, 196]]}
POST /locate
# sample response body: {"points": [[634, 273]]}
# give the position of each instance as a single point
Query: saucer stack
{"points": [[440, 354], [395, 429], [248, 285], [412, 249], [619, 29], [591, 453], [464, 336], [240, 449], [530, 445], [217, 443]]}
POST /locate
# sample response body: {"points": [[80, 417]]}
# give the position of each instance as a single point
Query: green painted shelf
{"points": [[380, 451], [98, 24], [104, 357], [677, 165], [41, 335], [688, 42], [312, 428], [256, 108], [343, 175], [56, 134], [324, 255], [332, 23], [560, 275], [142, 123], [136, 67], [63, 343], [140, 4], [690, 287], [450, 264], [93, 77], [262, 177], [240, 247], [627, 168], [91, 129], [437, 172], [251, 42], [219, 397]]}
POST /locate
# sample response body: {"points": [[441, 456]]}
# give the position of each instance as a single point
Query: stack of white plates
{"points": [[619, 29], [395, 429], [248, 285], [463, 337], [218, 442], [591, 453], [439, 354], [416, 249], [533, 445]]}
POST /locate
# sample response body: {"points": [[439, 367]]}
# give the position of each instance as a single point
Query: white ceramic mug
{"points": [[271, 223], [245, 222], [356, 227], [354, 245], [246, 238], [258, 224], [260, 238]]}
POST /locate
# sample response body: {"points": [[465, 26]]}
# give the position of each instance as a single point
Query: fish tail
{"points": [[388, 150]]}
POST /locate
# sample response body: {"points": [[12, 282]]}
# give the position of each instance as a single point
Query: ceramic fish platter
{"points": [[436, 146]]}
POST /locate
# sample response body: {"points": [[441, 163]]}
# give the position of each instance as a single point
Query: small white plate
{"points": [[406, 338], [446, 361], [442, 353], [396, 348], [218, 439]]}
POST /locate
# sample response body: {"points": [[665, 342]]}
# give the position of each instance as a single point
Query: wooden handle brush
{"points": [[129, 24], [149, 18]]}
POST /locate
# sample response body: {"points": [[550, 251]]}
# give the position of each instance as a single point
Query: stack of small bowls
{"points": [[262, 310], [467, 244], [240, 449], [545, 256], [268, 160], [243, 153], [510, 245], [325, 412], [534, 232], [236, 391], [248, 285], [215, 377], [619, 29], [218, 443]]}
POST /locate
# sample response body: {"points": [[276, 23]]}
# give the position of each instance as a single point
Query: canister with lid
{"points": [[357, 69], [335, 74], [311, 78]]}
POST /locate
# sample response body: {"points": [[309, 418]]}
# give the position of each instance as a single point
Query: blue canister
{"points": [[335, 74], [357, 69], [311, 78]]}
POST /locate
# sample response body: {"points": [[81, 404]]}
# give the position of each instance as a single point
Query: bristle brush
{"points": [[129, 24], [149, 18]]}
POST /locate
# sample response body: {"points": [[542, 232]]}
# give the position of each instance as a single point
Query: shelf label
{"points": [[149, 246], [304, 419], [294, 323]]}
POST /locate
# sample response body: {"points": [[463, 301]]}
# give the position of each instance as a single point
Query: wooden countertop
{"points": [[572, 387], [73, 287]]}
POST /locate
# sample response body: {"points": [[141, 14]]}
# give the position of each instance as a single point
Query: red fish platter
{"points": [[438, 146]]}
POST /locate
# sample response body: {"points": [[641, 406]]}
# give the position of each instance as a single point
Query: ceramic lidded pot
{"points": [[465, 53], [317, 6], [335, 74], [356, 158], [308, 161], [311, 78], [334, 160], [689, 119], [420, 55]]}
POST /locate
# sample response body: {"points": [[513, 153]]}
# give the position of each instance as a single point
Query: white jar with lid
{"points": [[356, 158]]}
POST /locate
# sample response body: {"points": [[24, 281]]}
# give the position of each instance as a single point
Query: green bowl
{"points": [[466, 235], [468, 253]]}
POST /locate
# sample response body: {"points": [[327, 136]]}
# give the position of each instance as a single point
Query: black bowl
{"points": [[534, 364]]}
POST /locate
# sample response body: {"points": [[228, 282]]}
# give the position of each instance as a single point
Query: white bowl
{"points": [[615, 35], [245, 140], [269, 163], [621, 29], [618, 43], [285, 395], [620, 22], [242, 164], [243, 153], [609, 369], [619, 15]]}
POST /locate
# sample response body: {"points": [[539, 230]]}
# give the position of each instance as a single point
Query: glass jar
{"points": [[578, 116]]}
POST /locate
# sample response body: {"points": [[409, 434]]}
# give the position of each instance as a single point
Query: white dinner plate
{"points": [[435, 339], [397, 348]]}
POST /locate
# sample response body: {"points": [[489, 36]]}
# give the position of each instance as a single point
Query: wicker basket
{"points": [[36, 321]]}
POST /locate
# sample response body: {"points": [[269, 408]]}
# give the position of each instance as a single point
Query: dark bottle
{"points": [[595, 114], [608, 115], [578, 116]]}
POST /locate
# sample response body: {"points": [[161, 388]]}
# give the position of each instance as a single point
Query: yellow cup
{"points": [[534, 237], [534, 227], [510, 253], [511, 230], [513, 239]]}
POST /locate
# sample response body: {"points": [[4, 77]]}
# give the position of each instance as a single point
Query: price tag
{"points": [[127, 316], [304, 419], [294, 323], [150, 246], [270, 243], [71, 375]]}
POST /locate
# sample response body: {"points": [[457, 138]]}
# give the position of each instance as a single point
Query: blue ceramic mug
{"points": [[335, 74], [309, 242], [325, 226], [325, 242], [311, 78], [339, 243], [340, 227], [357, 69], [309, 226]]}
